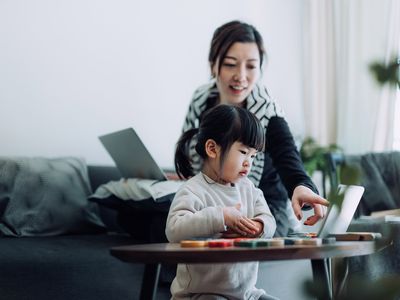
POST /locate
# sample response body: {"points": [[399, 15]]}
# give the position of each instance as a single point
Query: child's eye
{"points": [[243, 152], [253, 156]]}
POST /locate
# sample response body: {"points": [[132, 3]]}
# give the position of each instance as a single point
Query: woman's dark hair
{"points": [[228, 34], [225, 124]]}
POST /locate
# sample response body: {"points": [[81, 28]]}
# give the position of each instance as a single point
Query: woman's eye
{"points": [[229, 65], [251, 67]]}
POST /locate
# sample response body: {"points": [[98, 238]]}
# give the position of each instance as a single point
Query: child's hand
{"points": [[260, 228], [230, 234], [238, 223], [233, 234]]}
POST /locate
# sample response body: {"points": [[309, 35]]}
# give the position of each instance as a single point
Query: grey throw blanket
{"points": [[381, 179], [137, 189], [44, 197]]}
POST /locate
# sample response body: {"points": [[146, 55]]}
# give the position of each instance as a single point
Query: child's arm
{"points": [[263, 214], [189, 218]]}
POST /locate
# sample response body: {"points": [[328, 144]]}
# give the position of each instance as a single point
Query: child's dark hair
{"points": [[225, 124]]}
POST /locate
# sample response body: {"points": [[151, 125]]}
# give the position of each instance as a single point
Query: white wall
{"points": [[73, 70]]}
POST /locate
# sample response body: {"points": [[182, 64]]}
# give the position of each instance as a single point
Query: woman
{"points": [[236, 58]]}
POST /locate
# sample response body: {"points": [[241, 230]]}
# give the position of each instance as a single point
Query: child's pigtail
{"points": [[183, 164]]}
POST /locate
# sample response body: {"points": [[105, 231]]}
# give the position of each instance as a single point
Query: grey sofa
{"points": [[79, 266], [74, 266]]}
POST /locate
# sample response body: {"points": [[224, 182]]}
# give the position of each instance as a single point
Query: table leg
{"points": [[340, 273], [150, 282], [321, 276]]}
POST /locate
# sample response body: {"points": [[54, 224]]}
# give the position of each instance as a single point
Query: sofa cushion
{"points": [[45, 197], [380, 175]]}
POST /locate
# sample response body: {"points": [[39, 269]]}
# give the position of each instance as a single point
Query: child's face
{"points": [[237, 162]]}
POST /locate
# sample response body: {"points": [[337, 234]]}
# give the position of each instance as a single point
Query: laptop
{"points": [[337, 222], [130, 155]]}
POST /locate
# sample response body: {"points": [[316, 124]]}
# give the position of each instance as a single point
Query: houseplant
{"points": [[313, 155]]}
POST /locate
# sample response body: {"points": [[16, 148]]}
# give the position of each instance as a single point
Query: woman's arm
{"points": [[285, 157]]}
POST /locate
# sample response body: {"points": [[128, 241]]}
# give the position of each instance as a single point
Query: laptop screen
{"points": [[132, 158], [338, 221]]}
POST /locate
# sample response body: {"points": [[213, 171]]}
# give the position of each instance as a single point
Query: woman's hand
{"points": [[237, 223], [303, 195]]}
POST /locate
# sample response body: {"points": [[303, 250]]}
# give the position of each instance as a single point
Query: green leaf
{"points": [[350, 174], [313, 155], [386, 73]]}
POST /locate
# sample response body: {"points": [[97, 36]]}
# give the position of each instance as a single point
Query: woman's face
{"points": [[239, 72]]}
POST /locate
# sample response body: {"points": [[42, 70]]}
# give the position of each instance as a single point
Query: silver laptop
{"points": [[337, 221], [130, 155]]}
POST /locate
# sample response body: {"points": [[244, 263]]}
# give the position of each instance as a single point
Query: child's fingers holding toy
{"points": [[259, 225], [244, 226], [236, 222]]}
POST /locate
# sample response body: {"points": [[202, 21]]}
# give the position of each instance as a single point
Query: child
{"points": [[220, 201]]}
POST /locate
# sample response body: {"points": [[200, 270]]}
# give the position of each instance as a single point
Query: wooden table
{"points": [[153, 255]]}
